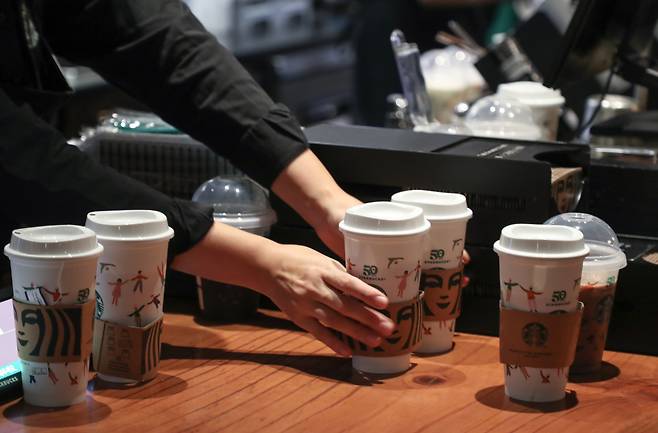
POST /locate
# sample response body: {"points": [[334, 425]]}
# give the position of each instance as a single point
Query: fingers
{"points": [[326, 336], [352, 286], [332, 319], [466, 257]]}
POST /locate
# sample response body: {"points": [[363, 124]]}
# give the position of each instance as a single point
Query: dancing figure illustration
{"points": [[532, 303], [139, 281], [508, 289], [57, 295], [403, 282], [137, 315], [116, 292]]}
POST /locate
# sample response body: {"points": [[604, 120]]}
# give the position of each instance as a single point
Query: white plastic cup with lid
{"points": [[385, 246], [238, 202], [130, 278], [448, 215], [546, 103], [53, 265], [540, 269], [598, 285]]}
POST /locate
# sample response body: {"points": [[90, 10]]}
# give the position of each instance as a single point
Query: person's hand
{"points": [[466, 259], [318, 295]]}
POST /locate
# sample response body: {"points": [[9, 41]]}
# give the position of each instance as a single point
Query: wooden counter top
{"points": [[268, 376]]}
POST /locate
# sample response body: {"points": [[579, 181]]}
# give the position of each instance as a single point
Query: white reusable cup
{"points": [[540, 269], [448, 215], [546, 104], [384, 246], [53, 265], [131, 271]]}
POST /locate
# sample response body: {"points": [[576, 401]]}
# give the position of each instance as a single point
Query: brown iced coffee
{"points": [[598, 300]]}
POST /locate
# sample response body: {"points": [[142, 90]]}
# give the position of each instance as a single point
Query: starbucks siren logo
{"points": [[534, 334]]}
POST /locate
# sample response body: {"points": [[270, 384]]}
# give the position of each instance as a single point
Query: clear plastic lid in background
{"points": [[599, 237], [443, 128], [502, 117], [237, 201]]}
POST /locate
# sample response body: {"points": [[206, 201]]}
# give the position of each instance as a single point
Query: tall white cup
{"points": [[540, 269], [546, 104], [384, 246], [448, 215], [131, 271], [53, 265]]}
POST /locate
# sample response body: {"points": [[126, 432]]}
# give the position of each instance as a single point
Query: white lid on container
{"points": [[541, 241], [599, 237], [53, 242], [129, 225], [502, 117], [437, 206], [532, 94], [237, 201], [383, 218]]}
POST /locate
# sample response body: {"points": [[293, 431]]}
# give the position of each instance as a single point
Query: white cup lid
{"points": [[53, 242], [383, 218], [531, 93], [129, 225], [541, 241], [437, 206]]}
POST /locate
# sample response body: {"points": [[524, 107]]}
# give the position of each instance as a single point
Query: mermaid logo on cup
{"points": [[535, 334], [442, 288]]}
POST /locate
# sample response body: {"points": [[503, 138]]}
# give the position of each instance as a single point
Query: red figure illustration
{"points": [[139, 281], [161, 274], [544, 379], [508, 289], [532, 303], [350, 265], [510, 367], [51, 375], [524, 372], [57, 295], [427, 331], [137, 315], [155, 300], [73, 379], [417, 269], [403, 282], [116, 292]]}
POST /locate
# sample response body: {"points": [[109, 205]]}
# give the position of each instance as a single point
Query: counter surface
{"points": [[267, 376]]}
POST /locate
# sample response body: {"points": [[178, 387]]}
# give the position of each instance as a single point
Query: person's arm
{"points": [[313, 290]]}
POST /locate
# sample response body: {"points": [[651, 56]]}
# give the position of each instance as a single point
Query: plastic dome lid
{"points": [[437, 206], [531, 93], [53, 242], [448, 66], [541, 241], [599, 237], [237, 201], [502, 117], [443, 128], [384, 218]]}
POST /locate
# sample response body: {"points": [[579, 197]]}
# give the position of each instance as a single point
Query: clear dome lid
{"points": [[599, 237], [443, 128], [237, 201], [502, 117]]}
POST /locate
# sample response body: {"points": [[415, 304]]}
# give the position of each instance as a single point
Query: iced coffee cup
{"points": [[598, 284], [384, 246], [442, 267], [130, 284], [540, 271], [53, 270], [546, 104]]}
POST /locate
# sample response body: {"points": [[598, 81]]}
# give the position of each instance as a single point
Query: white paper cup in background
{"points": [[384, 246], [448, 215], [546, 104], [598, 286], [53, 265], [131, 271], [540, 271]]}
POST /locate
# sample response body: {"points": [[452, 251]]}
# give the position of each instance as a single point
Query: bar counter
{"points": [[268, 376]]}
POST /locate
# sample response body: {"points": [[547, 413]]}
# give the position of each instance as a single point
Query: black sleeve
{"points": [[44, 180], [158, 52]]}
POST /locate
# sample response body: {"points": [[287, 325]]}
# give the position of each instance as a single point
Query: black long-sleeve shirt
{"points": [[156, 51]]}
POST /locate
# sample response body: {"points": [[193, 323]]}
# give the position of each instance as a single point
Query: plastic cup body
{"points": [[46, 282], [130, 284], [543, 286], [228, 302], [391, 264], [547, 118], [446, 241], [597, 292]]}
